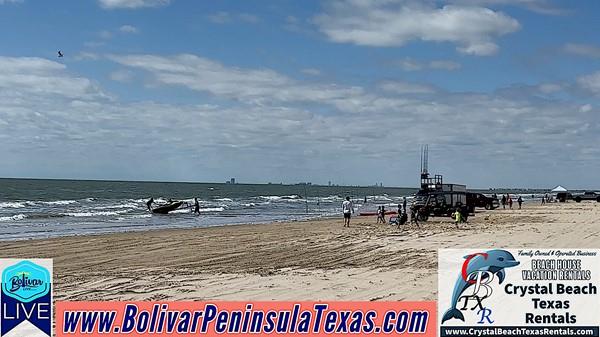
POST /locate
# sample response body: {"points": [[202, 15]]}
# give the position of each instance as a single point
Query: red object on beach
{"points": [[375, 213]]}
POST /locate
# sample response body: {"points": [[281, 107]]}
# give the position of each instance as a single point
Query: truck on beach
{"points": [[435, 198], [481, 200], [440, 200], [588, 195]]}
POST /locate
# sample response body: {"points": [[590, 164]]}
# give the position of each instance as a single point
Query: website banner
{"points": [[244, 318], [518, 292]]}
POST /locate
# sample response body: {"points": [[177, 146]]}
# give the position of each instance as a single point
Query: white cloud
{"points": [[128, 29], [444, 65], [84, 55], [538, 6], [399, 87], [249, 18], [409, 64], [585, 50], [56, 123], [220, 17], [2, 2], [132, 4], [105, 34], [590, 82], [248, 85], [398, 22], [586, 108], [121, 75], [226, 17], [311, 71], [21, 76], [550, 88]]}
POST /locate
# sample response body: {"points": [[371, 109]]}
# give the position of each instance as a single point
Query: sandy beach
{"points": [[309, 260]]}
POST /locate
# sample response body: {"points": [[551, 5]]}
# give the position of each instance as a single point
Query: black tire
{"points": [[488, 206], [577, 199], [598, 199]]}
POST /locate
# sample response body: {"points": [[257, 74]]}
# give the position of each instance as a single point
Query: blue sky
{"points": [[506, 92]]}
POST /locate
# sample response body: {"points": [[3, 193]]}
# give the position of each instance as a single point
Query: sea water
{"points": [[35, 208]]}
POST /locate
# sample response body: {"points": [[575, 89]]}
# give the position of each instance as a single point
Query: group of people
{"points": [[401, 219], [507, 200], [546, 199]]}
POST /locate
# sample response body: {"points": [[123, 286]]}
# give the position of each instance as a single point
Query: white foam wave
{"points": [[224, 199], [90, 214], [140, 216], [212, 209], [59, 202], [12, 205], [292, 198], [13, 218], [117, 206], [270, 197]]}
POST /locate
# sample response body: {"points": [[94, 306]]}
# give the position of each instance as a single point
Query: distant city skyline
{"points": [[507, 93]]}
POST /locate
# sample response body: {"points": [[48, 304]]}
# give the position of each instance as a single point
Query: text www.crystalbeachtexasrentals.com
{"points": [[211, 318]]}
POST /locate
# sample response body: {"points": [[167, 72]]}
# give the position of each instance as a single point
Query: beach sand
{"points": [[308, 260]]}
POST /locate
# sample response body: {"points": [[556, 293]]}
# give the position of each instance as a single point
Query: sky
{"points": [[505, 92]]}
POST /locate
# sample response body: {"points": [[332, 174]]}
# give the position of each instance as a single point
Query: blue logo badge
{"points": [[25, 281]]}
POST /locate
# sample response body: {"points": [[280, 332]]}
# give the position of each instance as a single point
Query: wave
{"points": [[13, 217], [90, 214], [10, 204], [282, 197], [117, 206], [212, 209], [59, 202], [224, 199]]}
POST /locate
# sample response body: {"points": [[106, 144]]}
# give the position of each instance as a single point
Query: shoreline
{"points": [[300, 260]]}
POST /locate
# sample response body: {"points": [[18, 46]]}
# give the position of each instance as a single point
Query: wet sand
{"points": [[308, 260]]}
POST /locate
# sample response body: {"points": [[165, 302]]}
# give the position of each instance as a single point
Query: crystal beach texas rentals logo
{"points": [[472, 287], [518, 292], [26, 298]]}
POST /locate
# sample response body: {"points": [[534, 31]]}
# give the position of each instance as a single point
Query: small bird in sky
{"points": [[60, 54]]}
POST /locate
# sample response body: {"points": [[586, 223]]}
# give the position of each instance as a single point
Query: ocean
{"points": [[37, 208]]}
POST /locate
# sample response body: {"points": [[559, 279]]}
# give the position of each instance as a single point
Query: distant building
{"points": [[232, 180]]}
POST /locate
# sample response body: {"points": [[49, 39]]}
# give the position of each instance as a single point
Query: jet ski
{"points": [[165, 209]]}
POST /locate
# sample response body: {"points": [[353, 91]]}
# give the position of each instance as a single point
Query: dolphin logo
{"points": [[493, 261]]}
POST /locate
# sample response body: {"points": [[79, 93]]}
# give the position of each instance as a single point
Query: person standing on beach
{"points": [[520, 201], [404, 204], [510, 202], [347, 209], [196, 206], [414, 216], [503, 201], [378, 214], [383, 215], [399, 211], [457, 215]]}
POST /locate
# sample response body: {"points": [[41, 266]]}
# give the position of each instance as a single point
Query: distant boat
{"points": [[165, 209]]}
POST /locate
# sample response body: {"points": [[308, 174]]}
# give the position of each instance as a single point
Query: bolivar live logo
{"points": [[26, 298], [472, 286]]}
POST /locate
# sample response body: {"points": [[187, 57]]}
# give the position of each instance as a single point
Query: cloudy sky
{"points": [[506, 92]]}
